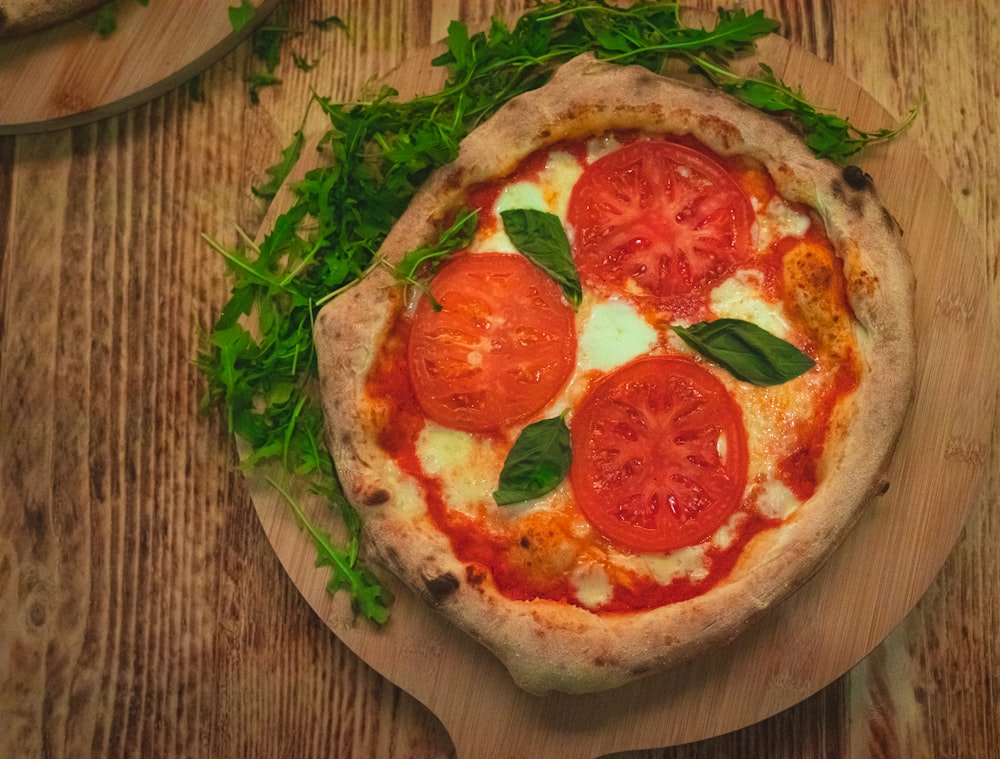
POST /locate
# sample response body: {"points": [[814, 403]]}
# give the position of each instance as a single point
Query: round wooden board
{"points": [[869, 585], [67, 74]]}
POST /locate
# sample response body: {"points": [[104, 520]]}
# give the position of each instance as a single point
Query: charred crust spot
{"points": [[375, 497], [838, 190], [726, 134], [441, 587], [856, 177], [474, 575], [454, 180], [525, 543], [883, 488]]}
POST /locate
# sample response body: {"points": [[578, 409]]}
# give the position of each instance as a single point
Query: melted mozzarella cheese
{"points": [[778, 219], [684, 563], [614, 333], [776, 501], [549, 192], [466, 464], [591, 584], [741, 297]]}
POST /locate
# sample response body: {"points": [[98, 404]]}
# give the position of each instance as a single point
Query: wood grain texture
{"points": [[67, 74], [144, 612]]}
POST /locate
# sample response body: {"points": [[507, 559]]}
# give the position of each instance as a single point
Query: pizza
{"points": [[19, 17], [646, 396]]}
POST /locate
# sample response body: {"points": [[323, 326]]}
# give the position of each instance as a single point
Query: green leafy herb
{"points": [[537, 462], [302, 64], [279, 172], [106, 20], [258, 80], [541, 238], [428, 258], [367, 595], [746, 351], [241, 15], [330, 22], [826, 134]]}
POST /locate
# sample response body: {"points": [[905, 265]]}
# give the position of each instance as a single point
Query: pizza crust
{"points": [[19, 18], [548, 646]]}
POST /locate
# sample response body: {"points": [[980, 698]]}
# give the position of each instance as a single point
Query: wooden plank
{"points": [[67, 74]]}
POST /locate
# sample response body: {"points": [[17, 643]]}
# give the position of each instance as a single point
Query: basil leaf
{"points": [[540, 237], [746, 351], [537, 462]]}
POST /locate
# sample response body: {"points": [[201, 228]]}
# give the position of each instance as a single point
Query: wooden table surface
{"points": [[142, 609]]}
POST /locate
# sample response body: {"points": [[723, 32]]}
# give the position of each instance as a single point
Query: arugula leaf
{"points": [[826, 134], [456, 237], [241, 15], [746, 351], [330, 22], [106, 20], [302, 64], [368, 597], [280, 171], [537, 462], [541, 238]]}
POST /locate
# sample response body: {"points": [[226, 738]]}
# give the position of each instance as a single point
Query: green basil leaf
{"points": [[537, 462], [746, 351], [540, 237]]}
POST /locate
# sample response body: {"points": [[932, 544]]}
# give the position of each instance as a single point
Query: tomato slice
{"points": [[498, 351], [659, 454], [658, 219]]}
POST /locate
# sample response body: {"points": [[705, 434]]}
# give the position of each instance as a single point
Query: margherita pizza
{"points": [[646, 399]]}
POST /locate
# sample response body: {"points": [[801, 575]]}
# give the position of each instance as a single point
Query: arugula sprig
{"points": [[259, 358], [368, 597], [825, 133], [417, 266]]}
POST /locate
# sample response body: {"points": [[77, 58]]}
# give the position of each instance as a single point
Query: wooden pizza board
{"points": [[873, 580], [67, 74]]}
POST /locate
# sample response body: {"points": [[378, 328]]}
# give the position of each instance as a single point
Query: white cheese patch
{"points": [[404, 490], [599, 147], [776, 501], [614, 334], [684, 563], [468, 466], [593, 588], [741, 297], [725, 535], [778, 220], [768, 415], [550, 192]]}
